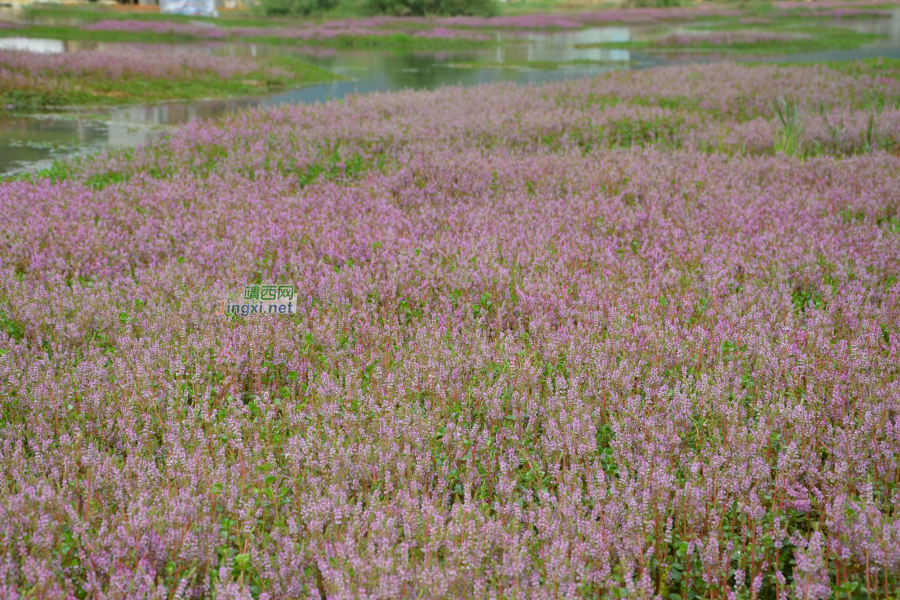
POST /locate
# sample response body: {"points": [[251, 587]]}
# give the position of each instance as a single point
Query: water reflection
{"points": [[33, 45], [28, 143]]}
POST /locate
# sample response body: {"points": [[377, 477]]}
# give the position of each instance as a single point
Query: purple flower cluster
{"points": [[649, 15], [384, 25], [162, 27], [729, 38], [532, 21], [125, 62], [586, 339], [319, 32], [8, 25], [309, 31], [555, 21]]}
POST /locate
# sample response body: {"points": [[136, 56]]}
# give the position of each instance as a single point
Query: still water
{"points": [[35, 141]]}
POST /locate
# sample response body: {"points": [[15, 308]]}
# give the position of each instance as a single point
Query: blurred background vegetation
{"points": [[379, 7], [340, 9]]}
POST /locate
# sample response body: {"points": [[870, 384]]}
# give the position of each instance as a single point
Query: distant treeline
{"points": [[383, 7]]}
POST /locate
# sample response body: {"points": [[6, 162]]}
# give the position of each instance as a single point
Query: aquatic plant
{"points": [[548, 341], [789, 136]]}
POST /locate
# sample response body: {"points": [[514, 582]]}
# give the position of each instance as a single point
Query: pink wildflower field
{"points": [[635, 336], [124, 62]]}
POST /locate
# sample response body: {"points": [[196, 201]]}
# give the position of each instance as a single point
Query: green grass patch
{"points": [[828, 13], [805, 39], [56, 172], [395, 41], [885, 67]]}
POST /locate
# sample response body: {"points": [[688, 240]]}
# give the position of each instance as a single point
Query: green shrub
{"points": [[789, 135], [296, 7], [431, 7], [651, 3]]}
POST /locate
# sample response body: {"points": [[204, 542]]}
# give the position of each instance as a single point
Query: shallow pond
{"points": [[29, 142]]}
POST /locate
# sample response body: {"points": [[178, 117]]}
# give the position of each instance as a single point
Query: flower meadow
{"points": [[634, 336], [128, 62], [308, 31], [386, 25]]}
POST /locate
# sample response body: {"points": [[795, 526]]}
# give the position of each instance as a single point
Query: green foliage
{"points": [[396, 40], [97, 89], [57, 171], [102, 180], [662, 131], [431, 7], [296, 7], [11, 327], [651, 3], [804, 296], [789, 136]]}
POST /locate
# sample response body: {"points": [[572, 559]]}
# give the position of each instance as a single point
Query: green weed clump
{"points": [[432, 7], [789, 135], [296, 7]]}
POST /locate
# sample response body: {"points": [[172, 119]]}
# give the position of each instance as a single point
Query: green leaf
{"points": [[242, 561]]}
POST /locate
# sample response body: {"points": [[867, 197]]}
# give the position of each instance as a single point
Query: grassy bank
{"points": [[34, 82], [791, 38]]}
